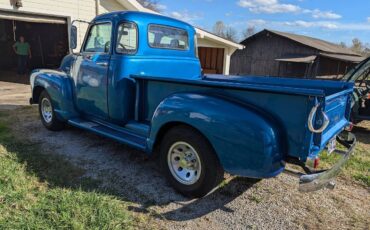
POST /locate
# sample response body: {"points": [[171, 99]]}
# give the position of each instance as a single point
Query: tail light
{"points": [[349, 127], [316, 163], [313, 162]]}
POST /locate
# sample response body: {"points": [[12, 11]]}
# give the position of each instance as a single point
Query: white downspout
{"points": [[97, 6]]}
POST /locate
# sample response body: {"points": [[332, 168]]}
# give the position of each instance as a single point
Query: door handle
{"points": [[105, 64]]}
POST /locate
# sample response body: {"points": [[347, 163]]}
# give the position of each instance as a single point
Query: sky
{"points": [[331, 20]]}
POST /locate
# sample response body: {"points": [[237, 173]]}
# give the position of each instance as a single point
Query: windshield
{"points": [[356, 72]]}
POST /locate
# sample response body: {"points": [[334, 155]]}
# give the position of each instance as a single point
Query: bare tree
{"points": [[249, 31], [224, 31], [360, 48], [219, 28], [366, 51], [343, 45], [231, 34], [357, 46], [150, 4]]}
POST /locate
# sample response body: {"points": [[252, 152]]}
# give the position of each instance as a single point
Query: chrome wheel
{"points": [[46, 110], [184, 163]]}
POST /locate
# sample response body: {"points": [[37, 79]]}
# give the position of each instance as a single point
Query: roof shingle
{"points": [[315, 43]]}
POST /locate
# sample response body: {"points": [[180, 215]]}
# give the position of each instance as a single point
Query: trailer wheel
{"points": [[189, 162], [47, 114]]}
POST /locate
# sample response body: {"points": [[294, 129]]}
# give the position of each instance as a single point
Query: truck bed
{"points": [[304, 85], [288, 101]]}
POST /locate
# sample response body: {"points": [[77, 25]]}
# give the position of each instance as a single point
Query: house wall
{"points": [[71, 9], [258, 58]]}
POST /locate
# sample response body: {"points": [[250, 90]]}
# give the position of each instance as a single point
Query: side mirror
{"points": [[73, 37], [107, 47]]}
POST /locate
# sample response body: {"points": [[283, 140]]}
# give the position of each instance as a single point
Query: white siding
{"points": [[109, 6], [74, 9]]}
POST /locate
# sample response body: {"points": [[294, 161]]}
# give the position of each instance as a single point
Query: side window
{"points": [[99, 38], [165, 37], [127, 38]]}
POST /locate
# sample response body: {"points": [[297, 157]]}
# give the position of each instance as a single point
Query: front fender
{"points": [[246, 141], [59, 87]]}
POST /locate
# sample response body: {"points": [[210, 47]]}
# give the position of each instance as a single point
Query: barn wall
{"points": [[333, 68], [258, 58]]}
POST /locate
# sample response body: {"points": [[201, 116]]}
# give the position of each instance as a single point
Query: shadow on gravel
{"points": [[362, 134], [58, 171], [214, 201]]}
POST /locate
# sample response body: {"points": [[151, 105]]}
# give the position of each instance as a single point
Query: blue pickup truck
{"points": [[138, 80]]}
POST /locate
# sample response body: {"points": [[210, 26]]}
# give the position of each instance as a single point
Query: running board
{"points": [[124, 136]]}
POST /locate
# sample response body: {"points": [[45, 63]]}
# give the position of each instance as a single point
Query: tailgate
{"points": [[337, 109]]}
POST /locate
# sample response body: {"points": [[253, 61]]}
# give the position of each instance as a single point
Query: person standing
{"points": [[23, 51]]}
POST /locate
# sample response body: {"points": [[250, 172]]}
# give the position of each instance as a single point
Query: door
{"points": [[211, 59], [92, 77]]}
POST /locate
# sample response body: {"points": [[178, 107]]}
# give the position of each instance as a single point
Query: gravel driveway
{"points": [[239, 204]]}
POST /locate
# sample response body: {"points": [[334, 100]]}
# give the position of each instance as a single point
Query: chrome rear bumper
{"points": [[316, 180]]}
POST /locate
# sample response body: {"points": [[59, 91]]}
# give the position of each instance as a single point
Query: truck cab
{"points": [[138, 80], [113, 50]]}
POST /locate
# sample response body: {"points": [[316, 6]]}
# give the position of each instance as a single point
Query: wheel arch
{"points": [[59, 87], [36, 93], [173, 124], [247, 141]]}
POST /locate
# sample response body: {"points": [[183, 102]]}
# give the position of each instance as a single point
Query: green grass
{"points": [[44, 191], [357, 168]]}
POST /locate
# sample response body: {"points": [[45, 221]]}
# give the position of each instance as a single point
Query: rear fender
{"points": [[59, 87], [246, 141]]}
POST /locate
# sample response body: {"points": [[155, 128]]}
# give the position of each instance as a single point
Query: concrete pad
{"points": [[13, 95]]}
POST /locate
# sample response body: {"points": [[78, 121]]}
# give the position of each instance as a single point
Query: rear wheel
{"points": [[47, 114], [189, 162]]}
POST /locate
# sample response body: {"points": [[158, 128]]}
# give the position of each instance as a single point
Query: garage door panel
{"points": [[211, 59], [31, 18], [214, 59]]}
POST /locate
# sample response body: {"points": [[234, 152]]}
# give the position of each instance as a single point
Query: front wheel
{"points": [[47, 114], [189, 162]]}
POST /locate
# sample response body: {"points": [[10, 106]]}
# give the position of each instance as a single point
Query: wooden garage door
{"points": [[211, 59]]}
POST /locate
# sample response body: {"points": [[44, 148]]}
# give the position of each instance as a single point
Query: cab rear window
{"points": [[166, 37]]}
